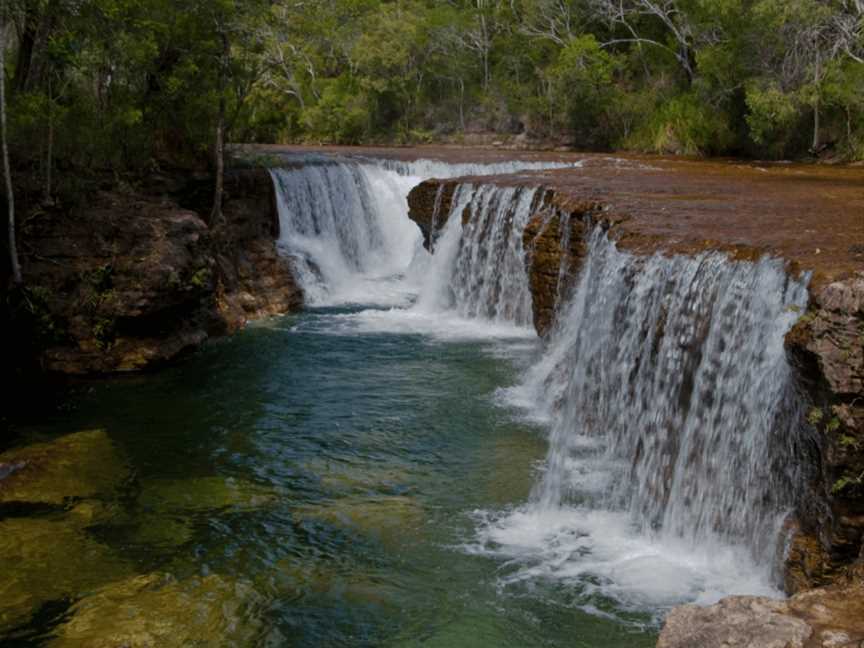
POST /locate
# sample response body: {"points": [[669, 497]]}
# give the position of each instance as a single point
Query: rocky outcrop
{"points": [[133, 279], [821, 618], [555, 244], [429, 205], [827, 345]]}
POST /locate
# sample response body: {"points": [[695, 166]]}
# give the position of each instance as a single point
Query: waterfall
{"points": [[478, 268], [344, 224], [674, 429], [344, 227]]}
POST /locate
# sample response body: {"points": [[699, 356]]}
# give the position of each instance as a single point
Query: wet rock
{"points": [[44, 560], [158, 611], [256, 281], [821, 618], [321, 580], [827, 347], [554, 242], [76, 466], [204, 494], [429, 205]]}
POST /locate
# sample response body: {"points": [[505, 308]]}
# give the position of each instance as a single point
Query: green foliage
{"points": [[685, 125], [815, 416], [341, 116], [201, 278], [773, 116], [123, 83]]}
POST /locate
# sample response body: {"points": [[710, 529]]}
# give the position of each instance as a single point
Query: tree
{"points": [[7, 171]]}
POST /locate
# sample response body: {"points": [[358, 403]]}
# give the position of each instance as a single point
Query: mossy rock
{"points": [[76, 466], [44, 560], [162, 531], [386, 519], [158, 611], [204, 494]]}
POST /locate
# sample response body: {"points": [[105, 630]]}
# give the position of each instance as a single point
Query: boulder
{"points": [[822, 618]]}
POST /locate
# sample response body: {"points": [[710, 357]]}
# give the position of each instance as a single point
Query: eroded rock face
{"points": [[554, 242], [429, 205], [821, 618], [827, 345], [131, 280], [256, 281]]}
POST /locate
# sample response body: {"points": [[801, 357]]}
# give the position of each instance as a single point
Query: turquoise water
{"points": [[339, 477]]}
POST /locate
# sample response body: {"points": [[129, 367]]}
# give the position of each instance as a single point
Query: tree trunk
{"points": [[49, 162], [816, 81], [7, 171], [216, 215], [815, 147]]}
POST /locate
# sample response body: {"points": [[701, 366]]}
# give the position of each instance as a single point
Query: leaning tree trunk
{"points": [[216, 215], [7, 171]]}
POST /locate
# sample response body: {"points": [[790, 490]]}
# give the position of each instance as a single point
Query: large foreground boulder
{"points": [[822, 618]]}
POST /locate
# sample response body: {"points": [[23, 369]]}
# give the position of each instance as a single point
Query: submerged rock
{"points": [[318, 579], [44, 560], [387, 519], [348, 477], [76, 466], [158, 611], [822, 618], [204, 493]]}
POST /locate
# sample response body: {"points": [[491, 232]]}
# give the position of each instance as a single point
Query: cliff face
{"points": [[826, 347], [131, 280]]}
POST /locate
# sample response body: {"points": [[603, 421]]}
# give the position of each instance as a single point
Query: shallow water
{"points": [[339, 463]]}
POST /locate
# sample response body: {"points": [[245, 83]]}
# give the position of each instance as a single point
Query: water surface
{"points": [[359, 462]]}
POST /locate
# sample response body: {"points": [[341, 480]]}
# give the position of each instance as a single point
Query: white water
{"points": [[664, 385], [344, 225], [673, 430]]}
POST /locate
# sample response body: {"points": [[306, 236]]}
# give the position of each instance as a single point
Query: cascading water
{"points": [[344, 227], [673, 429], [479, 266], [344, 224]]}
